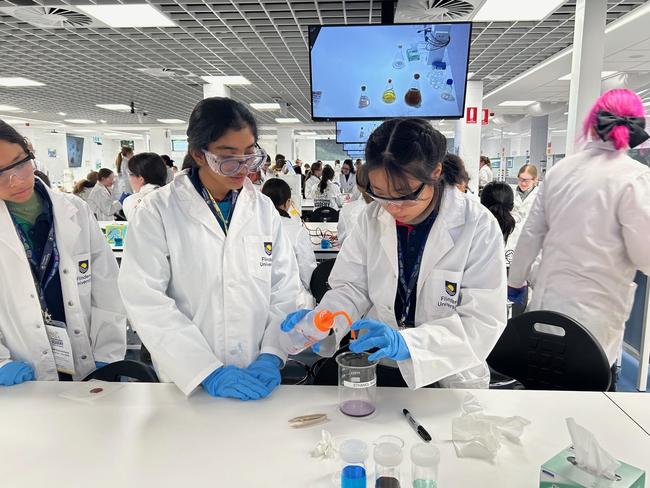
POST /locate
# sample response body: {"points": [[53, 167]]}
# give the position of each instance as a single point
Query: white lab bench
{"points": [[636, 405], [152, 435]]}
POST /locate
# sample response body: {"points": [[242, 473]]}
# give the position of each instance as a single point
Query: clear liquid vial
{"points": [[448, 91], [389, 93], [364, 101], [398, 60]]}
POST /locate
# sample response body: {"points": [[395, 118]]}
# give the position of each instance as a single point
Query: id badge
{"points": [[61, 347]]}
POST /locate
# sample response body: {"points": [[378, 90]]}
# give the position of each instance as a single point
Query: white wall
{"points": [[306, 150]]}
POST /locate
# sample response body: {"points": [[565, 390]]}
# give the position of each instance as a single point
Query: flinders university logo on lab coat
{"points": [[83, 266], [451, 288], [268, 248]]}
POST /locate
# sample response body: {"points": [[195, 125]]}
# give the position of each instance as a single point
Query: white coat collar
{"points": [[196, 208], [599, 145]]}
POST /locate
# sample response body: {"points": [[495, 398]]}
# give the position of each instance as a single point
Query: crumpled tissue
{"points": [[325, 449], [588, 453], [478, 435]]}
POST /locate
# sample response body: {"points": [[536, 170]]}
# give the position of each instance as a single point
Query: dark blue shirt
{"points": [[226, 206], [412, 240]]}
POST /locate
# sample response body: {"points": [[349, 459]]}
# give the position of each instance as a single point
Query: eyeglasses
{"points": [[232, 165], [409, 200], [21, 169], [525, 180]]}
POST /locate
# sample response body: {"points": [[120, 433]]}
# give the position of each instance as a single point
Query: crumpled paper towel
{"points": [[325, 449], [477, 435], [588, 453]]}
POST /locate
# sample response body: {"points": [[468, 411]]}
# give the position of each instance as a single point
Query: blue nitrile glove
{"points": [[390, 342], [292, 319], [232, 382], [100, 364], [517, 295], [266, 368], [123, 197], [16, 372]]}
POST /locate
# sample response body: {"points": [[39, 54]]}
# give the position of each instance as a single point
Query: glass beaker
{"points": [[425, 459], [364, 101], [398, 60], [389, 93], [388, 458], [357, 384], [353, 453], [413, 97]]}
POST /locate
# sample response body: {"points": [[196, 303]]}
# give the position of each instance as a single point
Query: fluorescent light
{"points": [[113, 134], [9, 108], [517, 103], [17, 81], [565, 113], [102, 121], [79, 121], [287, 120], [265, 106], [559, 130], [171, 121], [137, 15], [515, 10], [603, 74], [75, 131], [308, 133], [114, 106], [62, 114], [226, 80]]}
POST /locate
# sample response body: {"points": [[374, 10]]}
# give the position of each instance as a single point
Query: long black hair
{"points": [[499, 199], [406, 148], [328, 175], [213, 117], [279, 192]]}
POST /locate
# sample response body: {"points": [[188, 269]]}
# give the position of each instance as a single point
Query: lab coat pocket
{"points": [[259, 256], [445, 287], [83, 270]]}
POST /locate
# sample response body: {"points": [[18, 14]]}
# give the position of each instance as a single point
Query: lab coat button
{"points": [[32, 296], [45, 352], [77, 331], [38, 326], [65, 271], [84, 357], [70, 303]]}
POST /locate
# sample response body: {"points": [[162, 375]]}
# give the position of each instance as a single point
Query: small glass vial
{"points": [[388, 457], [364, 101], [353, 453], [448, 91], [425, 459]]}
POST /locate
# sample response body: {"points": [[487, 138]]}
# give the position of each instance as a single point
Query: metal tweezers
{"points": [[307, 420]]}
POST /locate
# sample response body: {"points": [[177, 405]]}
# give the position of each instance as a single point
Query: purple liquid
{"points": [[357, 408]]}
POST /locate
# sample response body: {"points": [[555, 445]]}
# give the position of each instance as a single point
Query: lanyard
{"points": [[216, 211], [406, 289], [39, 270]]}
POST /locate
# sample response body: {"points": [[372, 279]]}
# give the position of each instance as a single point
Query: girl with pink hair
{"points": [[591, 222]]}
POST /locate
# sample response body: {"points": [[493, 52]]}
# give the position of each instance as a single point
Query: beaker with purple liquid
{"points": [[357, 384]]}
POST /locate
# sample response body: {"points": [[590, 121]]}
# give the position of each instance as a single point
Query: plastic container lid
{"points": [[324, 319], [425, 455], [388, 454], [450, 81], [439, 65], [353, 451]]}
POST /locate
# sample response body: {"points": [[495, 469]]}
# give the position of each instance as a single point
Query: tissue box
{"points": [[559, 472]]}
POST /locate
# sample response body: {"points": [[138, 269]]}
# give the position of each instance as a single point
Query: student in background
{"points": [[169, 163], [327, 189], [147, 172], [58, 278], [280, 194], [498, 198], [314, 179], [101, 200], [348, 179], [82, 188], [485, 174], [123, 185]]}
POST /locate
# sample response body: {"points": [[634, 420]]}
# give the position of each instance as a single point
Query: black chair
{"points": [[539, 360], [114, 372], [318, 283], [324, 214]]}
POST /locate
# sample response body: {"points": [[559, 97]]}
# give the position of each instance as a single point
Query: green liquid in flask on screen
{"points": [[424, 484]]}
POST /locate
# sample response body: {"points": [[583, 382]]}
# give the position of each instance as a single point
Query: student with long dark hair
{"points": [[427, 260], [208, 273], [60, 314], [101, 199], [327, 189], [499, 199]]}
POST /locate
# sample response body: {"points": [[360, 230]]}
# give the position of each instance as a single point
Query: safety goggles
{"points": [[232, 165], [409, 200], [21, 169]]}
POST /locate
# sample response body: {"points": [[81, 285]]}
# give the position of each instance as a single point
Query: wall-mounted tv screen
{"points": [[75, 150], [356, 154], [364, 72], [355, 132], [179, 145], [354, 147]]}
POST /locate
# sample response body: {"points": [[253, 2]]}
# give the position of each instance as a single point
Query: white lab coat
{"points": [[102, 203], [310, 184], [132, 201], [123, 183], [332, 192], [455, 332], [198, 299], [349, 219], [348, 185], [485, 176], [304, 252], [95, 317], [591, 219], [520, 214]]}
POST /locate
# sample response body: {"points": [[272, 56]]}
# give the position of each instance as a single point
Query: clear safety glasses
{"points": [[21, 170], [232, 165], [409, 200]]}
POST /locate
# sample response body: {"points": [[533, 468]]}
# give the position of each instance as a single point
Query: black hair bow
{"points": [[607, 121]]}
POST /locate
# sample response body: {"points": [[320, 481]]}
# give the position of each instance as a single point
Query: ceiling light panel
{"points": [[120, 107], [18, 82], [121, 16], [171, 121], [515, 10], [517, 103]]}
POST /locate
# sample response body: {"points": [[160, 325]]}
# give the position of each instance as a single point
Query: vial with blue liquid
{"points": [[353, 453]]}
